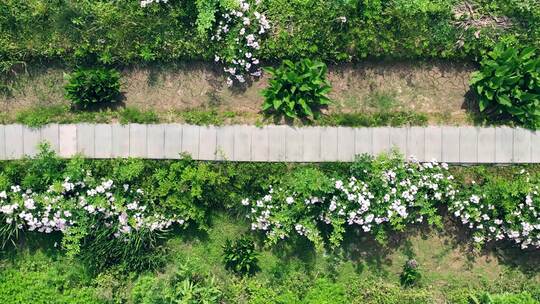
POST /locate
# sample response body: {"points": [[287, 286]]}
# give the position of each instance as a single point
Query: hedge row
{"points": [[342, 30]]}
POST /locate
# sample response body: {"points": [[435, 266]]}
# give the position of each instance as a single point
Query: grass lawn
{"points": [[363, 273]]}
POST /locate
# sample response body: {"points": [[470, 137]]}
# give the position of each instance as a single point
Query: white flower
{"points": [[29, 204], [289, 200]]}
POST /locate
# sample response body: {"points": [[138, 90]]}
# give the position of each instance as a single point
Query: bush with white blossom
{"points": [[238, 34], [145, 3], [89, 203], [387, 195], [502, 209], [237, 28]]}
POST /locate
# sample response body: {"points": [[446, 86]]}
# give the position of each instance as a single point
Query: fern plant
{"points": [[297, 90], [508, 84]]}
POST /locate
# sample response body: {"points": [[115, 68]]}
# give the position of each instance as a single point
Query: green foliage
{"points": [[39, 279], [486, 298], [410, 276], [373, 291], [99, 249], [326, 292], [377, 119], [88, 87], [197, 117], [240, 256], [39, 116], [42, 170], [297, 90], [508, 84], [188, 189], [134, 115], [123, 32], [292, 273], [183, 286]]}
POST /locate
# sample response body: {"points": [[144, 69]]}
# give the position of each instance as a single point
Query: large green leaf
{"points": [[476, 77], [483, 104], [504, 100]]}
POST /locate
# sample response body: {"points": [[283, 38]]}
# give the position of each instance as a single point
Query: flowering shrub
{"points": [[65, 204], [238, 35], [238, 26], [145, 3], [502, 209], [113, 222], [386, 195]]}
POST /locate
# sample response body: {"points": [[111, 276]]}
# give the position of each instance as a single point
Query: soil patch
{"points": [[438, 89]]}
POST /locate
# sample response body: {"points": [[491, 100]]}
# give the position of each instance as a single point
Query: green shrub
{"points": [[240, 256], [88, 87], [410, 276], [42, 170], [311, 204], [297, 90], [189, 189], [508, 84]]}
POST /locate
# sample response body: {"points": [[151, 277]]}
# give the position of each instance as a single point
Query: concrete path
{"points": [[274, 143]]}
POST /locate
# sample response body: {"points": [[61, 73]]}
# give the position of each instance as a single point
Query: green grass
{"points": [[40, 278], [382, 101], [205, 117], [39, 116], [376, 119], [449, 271], [293, 272]]}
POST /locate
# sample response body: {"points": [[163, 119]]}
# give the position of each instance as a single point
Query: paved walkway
{"points": [[274, 143]]}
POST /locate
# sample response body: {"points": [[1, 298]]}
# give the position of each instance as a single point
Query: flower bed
{"points": [[380, 196]]}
